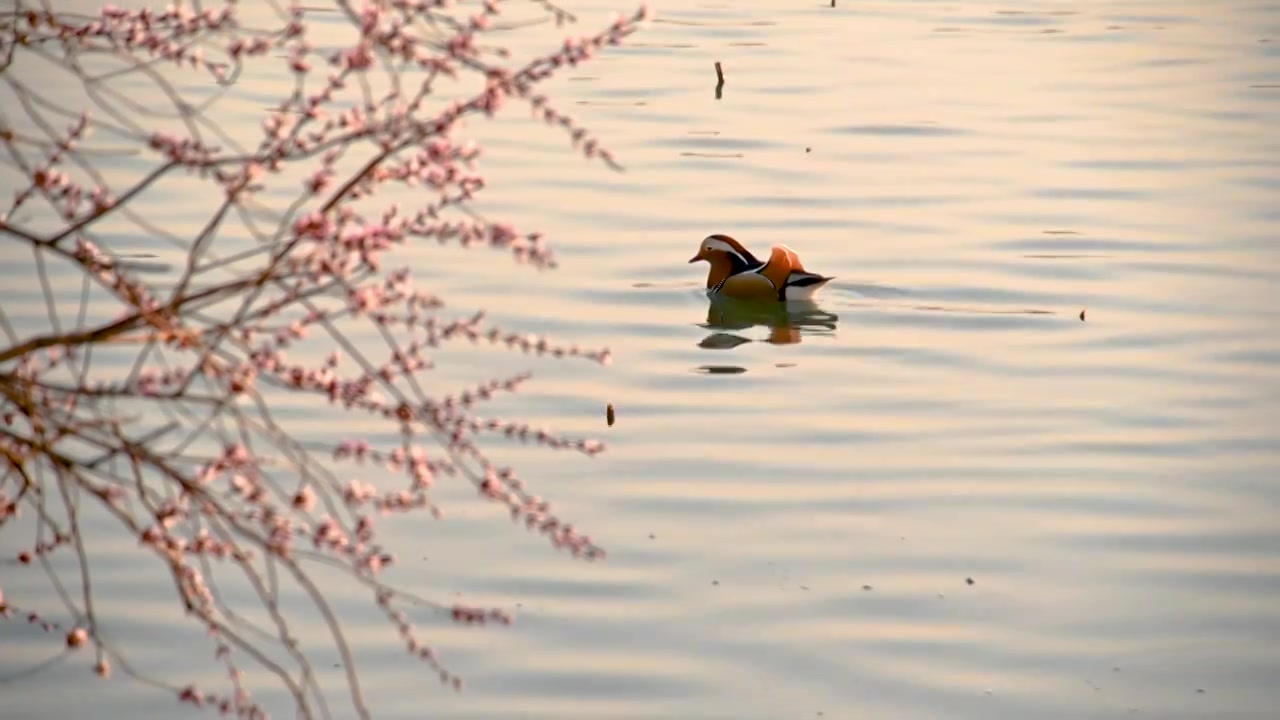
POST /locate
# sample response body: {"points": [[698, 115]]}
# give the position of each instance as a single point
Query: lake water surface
{"points": [[794, 508]]}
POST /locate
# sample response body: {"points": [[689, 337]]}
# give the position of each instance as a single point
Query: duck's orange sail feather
{"points": [[782, 262]]}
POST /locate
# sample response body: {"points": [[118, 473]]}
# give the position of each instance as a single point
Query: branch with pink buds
{"points": [[145, 395]]}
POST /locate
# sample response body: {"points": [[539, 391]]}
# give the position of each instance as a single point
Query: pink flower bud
{"points": [[77, 638]]}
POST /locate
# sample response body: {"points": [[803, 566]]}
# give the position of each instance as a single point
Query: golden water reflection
{"points": [[787, 323]]}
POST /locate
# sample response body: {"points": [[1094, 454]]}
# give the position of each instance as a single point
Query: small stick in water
{"points": [[609, 415], [719, 80]]}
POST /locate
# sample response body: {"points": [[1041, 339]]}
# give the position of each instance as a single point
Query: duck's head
{"points": [[720, 246]]}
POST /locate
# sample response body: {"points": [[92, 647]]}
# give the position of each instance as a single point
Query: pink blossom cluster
{"points": [[74, 637], [239, 703], [43, 548], [465, 614], [170, 34], [8, 506], [57, 186], [134, 293], [479, 616]]}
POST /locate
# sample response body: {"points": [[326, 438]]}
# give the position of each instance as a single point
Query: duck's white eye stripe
{"points": [[716, 244]]}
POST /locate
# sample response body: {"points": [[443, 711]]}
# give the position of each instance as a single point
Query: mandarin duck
{"points": [[736, 273]]}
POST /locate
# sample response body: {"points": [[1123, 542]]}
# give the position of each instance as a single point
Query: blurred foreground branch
{"points": [[137, 395]]}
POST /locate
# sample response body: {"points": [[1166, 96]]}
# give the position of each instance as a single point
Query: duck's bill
{"points": [[695, 258]]}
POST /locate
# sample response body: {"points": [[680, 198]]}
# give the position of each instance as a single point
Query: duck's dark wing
{"points": [[803, 285]]}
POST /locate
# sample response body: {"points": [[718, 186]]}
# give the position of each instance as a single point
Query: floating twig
{"points": [[719, 79]]}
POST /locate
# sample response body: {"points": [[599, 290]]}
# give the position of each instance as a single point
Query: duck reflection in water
{"points": [[787, 322]]}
